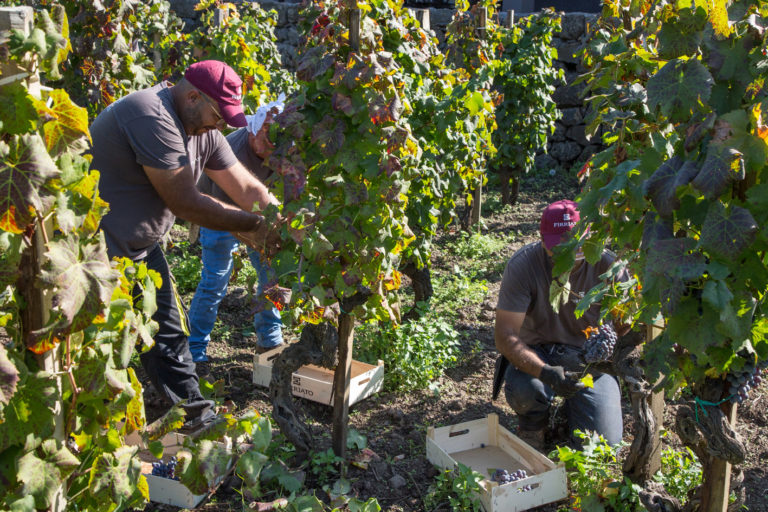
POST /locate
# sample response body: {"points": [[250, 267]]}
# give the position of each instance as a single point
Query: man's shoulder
{"points": [[526, 254]]}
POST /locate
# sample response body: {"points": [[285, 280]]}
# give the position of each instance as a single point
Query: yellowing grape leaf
{"points": [[69, 130], [718, 17], [588, 381]]}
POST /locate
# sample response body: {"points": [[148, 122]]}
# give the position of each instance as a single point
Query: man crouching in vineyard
{"points": [[544, 348], [150, 148], [252, 147]]}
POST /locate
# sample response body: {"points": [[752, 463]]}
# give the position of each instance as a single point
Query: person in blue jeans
{"points": [[252, 147], [542, 347]]}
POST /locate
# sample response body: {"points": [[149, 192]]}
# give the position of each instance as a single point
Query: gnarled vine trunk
{"points": [[421, 281], [510, 184]]}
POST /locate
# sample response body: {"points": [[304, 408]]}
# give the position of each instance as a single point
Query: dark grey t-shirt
{"points": [[525, 288], [142, 129], [238, 141]]}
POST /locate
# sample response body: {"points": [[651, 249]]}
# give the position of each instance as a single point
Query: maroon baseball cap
{"points": [[558, 218], [221, 83]]}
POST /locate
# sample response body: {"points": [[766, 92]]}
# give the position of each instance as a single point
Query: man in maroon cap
{"points": [[542, 347], [151, 147]]}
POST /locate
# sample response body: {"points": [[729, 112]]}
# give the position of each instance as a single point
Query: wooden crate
{"points": [[485, 446], [164, 490], [316, 383]]}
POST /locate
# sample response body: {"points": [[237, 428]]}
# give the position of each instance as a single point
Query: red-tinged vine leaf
{"points": [[42, 477], [722, 166], [391, 165], [25, 167], [9, 223], [328, 134], [116, 478], [200, 470], [9, 377], [314, 63], [727, 232], [678, 87], [30, 409], [676, 257], [280, 297], [383, 111], [82, 280], [342, 103], [168, 422], [17, 110], [69, 131]]}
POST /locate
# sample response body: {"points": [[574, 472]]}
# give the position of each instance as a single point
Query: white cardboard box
{"points": [[316, 383], [164, 490], [485, 445]]}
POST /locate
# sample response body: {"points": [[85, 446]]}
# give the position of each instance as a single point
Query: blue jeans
{"points": [[218, 247], [597, 409]]}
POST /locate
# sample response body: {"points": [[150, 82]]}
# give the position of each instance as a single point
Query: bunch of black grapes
{"points": [[165, 469], [599, 346], [748, 378], [502, 476]]}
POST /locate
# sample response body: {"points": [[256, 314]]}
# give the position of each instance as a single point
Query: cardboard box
{"points": [[485, 446], [316, 383], [165, 490]]}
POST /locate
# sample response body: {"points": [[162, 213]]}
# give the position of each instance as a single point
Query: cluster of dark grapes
{"points": [[748, 378], [165, 469], [599, 345], [502, 476]]}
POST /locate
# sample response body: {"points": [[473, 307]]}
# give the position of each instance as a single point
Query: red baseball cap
{"points": [[558, 218], [221, 83]]}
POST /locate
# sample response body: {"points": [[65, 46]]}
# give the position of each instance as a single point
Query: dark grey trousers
{"points": [[169, 363], [597, 409]]}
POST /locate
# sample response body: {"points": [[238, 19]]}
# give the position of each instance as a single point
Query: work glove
{"points": [[563, 383]]}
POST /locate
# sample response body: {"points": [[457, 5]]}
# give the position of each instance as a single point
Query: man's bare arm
{"points": [[244, 188], [507, 332], [178, 191]]}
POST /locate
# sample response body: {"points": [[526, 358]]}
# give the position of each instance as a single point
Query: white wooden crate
{"points": [[165, 490], [485, 445], [316, 383]]}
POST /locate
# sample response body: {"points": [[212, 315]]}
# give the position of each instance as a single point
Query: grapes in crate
{"points": [[741, 383], [600, 343], [165, 469], [502, 476]]}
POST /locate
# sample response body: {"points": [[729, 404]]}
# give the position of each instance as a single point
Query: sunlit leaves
{"points": [[116, 477], [29, 410], [81, 278], [41, 473], [678, 87], [68, 130], [728, 231], [17, 110], [25, 167], [200, 470]]}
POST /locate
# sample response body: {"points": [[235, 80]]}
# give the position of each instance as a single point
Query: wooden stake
{"points": [[510, 21], [422, 16], [656, 403], [354, 29], [341, 379], [717, 475]]}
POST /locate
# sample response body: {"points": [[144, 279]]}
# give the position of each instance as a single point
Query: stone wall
{"points": [[567, 147]]}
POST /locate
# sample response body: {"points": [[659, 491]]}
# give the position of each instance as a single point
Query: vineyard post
{"points": [[343, 373], [477, 195], [656, 403], [510, 21], [38, 301], [716, 488], [422, 16]]}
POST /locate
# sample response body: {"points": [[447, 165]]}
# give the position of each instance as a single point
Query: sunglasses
{"points": [[220, 122]]}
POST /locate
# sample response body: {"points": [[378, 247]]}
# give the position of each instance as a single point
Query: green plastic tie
{"points": [[701, 403]]}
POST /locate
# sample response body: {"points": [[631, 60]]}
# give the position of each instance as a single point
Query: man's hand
{"points": [[265, 239], [565, 384]]}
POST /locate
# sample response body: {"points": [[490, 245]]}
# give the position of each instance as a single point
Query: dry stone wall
{"points": [[567, 147]]}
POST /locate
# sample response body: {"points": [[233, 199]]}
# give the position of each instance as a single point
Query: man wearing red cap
{"points": [[544, 347], [151, 147]]}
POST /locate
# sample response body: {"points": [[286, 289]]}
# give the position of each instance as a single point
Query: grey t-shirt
{"points": [[238, 141], [525, 288], [143, 129]]}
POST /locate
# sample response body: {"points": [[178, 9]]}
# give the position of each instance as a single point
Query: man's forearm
{"points": [[523, 357], [211, 213]]}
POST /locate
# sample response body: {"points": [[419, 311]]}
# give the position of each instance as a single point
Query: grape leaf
{"points": [[171, 420], [675, 257], [662, 186], [29, 410], [9, 376], [25, 167], [17, 110], [328, 134], [727, 233], [39, 479], [10, 256], [721, 167], [677, 88], [718, 17], [680, 34], [717, 294], [250, 465], [200, 471], [68, 131], [313, 63], [82, 279], [116, 477]]}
